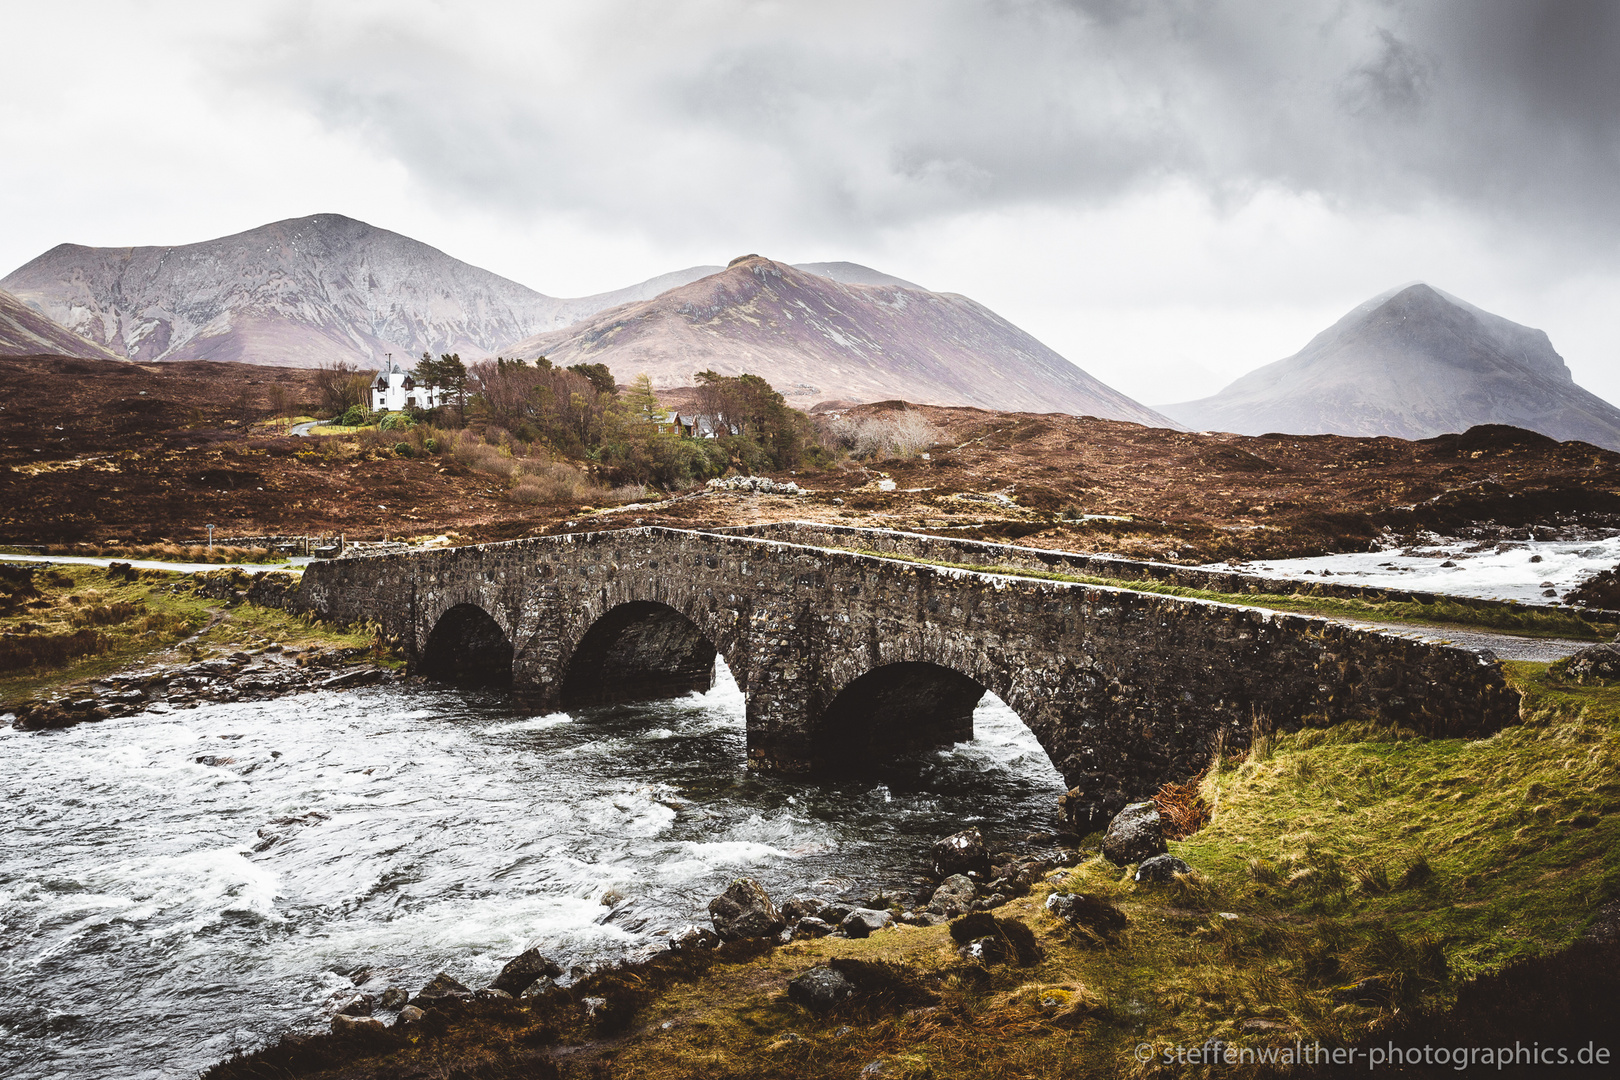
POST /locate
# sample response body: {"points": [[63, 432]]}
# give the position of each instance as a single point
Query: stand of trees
{"points": [[449, 374], [579, 412]]}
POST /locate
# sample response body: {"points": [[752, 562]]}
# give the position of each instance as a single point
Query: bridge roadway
{"points": [[843, 656]]}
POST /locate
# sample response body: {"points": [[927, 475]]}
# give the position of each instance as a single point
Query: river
{"points": [[178, 885]]}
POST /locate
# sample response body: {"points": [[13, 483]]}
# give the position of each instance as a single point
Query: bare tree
{"points": [[281, 404], [340, 384]]}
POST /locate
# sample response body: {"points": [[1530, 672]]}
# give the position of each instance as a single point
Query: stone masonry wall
{"points": [[1081, 564], [1123, 689]]}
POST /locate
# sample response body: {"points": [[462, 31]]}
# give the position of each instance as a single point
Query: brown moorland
{"points": [[99, 450]]}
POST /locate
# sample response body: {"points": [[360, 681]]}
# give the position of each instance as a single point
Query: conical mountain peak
{"points": [[1413, 362]]}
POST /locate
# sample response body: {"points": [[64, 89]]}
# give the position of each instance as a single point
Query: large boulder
{"points": [[1086, 912], [1161, 870], [439, 988], [863, 922], [819, 989], [954, 896], [1136, 833], [522, 973], [1595, 665], [961, 853], [344, 1024], [745, 911]]}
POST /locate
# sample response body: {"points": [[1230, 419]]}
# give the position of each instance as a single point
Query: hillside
{"points": [[25, 332], [1413, 363], [816, 337], [300, 292]]}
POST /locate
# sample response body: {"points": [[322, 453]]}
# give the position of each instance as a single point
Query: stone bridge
{"points": [[844, 655]]}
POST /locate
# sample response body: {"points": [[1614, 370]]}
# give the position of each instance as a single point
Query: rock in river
{"points": [[961, 853], [745, 911], [520, 974], [440, 987]]}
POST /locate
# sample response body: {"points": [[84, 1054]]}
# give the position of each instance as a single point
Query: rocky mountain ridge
{"points": [[300, 292], [860, 336], [25, 332], [1412, 363]]}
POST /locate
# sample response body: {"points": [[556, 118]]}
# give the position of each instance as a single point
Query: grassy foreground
{"points": [[1353, 885]]}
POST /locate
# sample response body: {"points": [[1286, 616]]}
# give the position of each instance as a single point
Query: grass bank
{"points": [[165, 552], [1353, 884], [67, 624]]}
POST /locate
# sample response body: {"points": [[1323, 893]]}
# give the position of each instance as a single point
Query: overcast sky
{"points": [[1169, 194]]}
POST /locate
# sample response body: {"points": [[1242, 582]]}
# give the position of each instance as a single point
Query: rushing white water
{"points": [[1523, 571], [178, 885]]}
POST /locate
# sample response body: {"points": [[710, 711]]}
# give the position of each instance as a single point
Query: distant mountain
{"points": [[1412, 363], [854, 274], [814, 337], [25, 332], [300, 292]]}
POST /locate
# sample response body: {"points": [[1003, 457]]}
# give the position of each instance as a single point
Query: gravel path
{"points": [[1505, 646]]}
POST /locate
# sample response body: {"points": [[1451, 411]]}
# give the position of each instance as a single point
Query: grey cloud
{"points": [[854, 117]]}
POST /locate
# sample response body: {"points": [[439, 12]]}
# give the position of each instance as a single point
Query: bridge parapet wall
{"points": [[907, 545], [1123, 689]]}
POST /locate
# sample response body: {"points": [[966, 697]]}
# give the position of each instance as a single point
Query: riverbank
{"points": [[1354, 886], [83, 643]]}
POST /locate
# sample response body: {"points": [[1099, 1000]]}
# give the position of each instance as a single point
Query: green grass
{"points": [[164, 552], [1483, 615], [125, 623], [340, 429]]}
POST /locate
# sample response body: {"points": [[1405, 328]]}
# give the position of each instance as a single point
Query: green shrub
{"points": [[356, 416], [404, 449], [394, 422]]}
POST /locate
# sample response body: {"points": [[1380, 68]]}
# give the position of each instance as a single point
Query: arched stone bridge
{"points": [[844, 655]]}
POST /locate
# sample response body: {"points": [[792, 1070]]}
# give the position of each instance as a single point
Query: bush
{"points": [[479, 456], [404, 449], [550, 482], [395, 422], [356, 416], [892, 435]]}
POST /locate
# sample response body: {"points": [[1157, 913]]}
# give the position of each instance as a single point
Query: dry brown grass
{"points": [[1182, 808]]}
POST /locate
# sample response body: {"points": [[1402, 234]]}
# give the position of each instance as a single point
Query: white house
{"points": [[396, 389], [703, 426]]}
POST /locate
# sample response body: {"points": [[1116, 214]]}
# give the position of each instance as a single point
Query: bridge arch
{"points": [[894, 709], [467, 647], [905, 692], [639, 650]]}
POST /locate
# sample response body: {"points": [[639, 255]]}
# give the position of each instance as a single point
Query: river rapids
{"points": [[178, 885]]}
